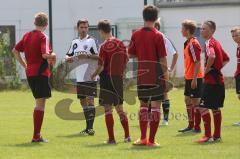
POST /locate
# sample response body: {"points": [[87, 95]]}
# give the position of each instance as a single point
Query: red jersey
{"points": [[113, 56], [238, 62], [147, 44], [214, 48], [34, 44]]}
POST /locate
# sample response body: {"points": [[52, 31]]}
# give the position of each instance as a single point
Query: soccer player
{"points": [[36, 47], [85, 46], [111, 65], [171, 50], [147, 45], [236, 37], [213, 91], [193, 76]]}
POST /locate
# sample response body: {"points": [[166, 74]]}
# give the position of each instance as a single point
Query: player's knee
{"points": [[143, 103], [108, 109], [187, 100], [83, 102], [119, 109], [90, 100], [195, 101], [156, 104]]}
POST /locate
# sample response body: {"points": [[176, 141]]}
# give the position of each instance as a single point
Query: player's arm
{"points": [[170, 48], [174, 62], [195, 50], [16, 51], [226, 58], [195, 74], [19, 58], [163, 62], [162, 54], [196, 70], [50, 56], [132, 49], [97, 72], [70, 53], [211, 59], [95, 50], [46, 49], [210, 62], [101, 61]]}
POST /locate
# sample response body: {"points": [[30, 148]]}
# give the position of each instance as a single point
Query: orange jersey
{"points": [[192, 54]]}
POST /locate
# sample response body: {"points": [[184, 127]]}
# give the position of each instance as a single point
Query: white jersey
{"points": [[88, 45], [170, 48]]}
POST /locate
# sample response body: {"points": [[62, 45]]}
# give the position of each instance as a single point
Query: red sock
{"points": [[155, 119], [197, 118], [124, 122], [217, 116], [207, 122], [37, 121], [109, 123], [190, 112], [143, 121]]}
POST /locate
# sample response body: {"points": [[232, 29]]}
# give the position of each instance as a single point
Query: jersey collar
{"points": [[84, 38]]}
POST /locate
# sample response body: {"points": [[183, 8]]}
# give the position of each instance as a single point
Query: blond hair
{"points": [[190, 25], [41, 19], [235, 29]]}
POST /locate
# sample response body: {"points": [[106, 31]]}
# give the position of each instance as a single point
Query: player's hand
{"points": [[206, 71], [169, 69], [194, 84], [81, 56], [69, 59], [53, 55], [25, 66], [93, 77]]}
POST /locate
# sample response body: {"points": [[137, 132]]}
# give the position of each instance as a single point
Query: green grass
{"points": [[16, 131]]}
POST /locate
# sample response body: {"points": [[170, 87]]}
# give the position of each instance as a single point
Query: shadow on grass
{"points": [[134, 126], [74, 135], [186, 134], [137, 126], [206, 143], [142, 148], [100, 145], [27, 144]]}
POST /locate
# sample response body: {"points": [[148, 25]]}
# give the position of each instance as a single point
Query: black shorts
{"points": [[111, 90], [237, 79], [86, 89], [147, 93], [40, 86], [193, 93], [213, 96]]}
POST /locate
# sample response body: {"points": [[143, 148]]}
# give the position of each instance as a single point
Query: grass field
{"points": [[65, 142]]}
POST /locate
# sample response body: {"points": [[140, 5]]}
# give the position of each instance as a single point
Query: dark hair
{"points": [[190, 25], [105, 26], [211, 24], [82, 21], [150, 13]]}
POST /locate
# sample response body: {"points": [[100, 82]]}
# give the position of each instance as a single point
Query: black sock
{"points": [[85, 110], [165, 106], [91, 116]]}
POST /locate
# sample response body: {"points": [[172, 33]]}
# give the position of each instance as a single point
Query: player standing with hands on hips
{"points": [[213, 94]]}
